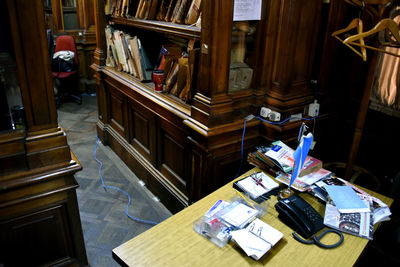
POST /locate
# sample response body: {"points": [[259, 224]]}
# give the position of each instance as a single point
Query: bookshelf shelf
{"points": [[167, 101], [180, 30]]}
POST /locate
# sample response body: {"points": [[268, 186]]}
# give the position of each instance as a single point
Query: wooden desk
{"points": [[175, 243]]}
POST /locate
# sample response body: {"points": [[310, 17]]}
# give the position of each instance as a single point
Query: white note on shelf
{"points": [[247, 10]]}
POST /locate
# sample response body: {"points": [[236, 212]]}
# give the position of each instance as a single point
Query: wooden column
{"points": [[286, 49], [46, 143]]}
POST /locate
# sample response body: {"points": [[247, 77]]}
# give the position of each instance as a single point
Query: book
{"points": [[303, 183], [170, 10], [136, 56], [111, 53], [193, 12], [181, 76], [119, 50], [346, 199], [171, 77], [282, 156], [147, 67], [162, 10], [175, 10], [128, 55], [152, 10], [181, 12]]}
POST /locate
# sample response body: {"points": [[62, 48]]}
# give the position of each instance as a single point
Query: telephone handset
{"points": [[300, 216]]}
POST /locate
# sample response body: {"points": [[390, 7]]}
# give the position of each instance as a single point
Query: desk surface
{"points": [[174, 242]]}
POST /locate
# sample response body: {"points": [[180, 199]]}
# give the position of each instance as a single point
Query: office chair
{"points": [[67, 82]]}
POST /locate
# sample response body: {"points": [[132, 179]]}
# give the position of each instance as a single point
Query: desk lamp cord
{"points": [[118, 189]]}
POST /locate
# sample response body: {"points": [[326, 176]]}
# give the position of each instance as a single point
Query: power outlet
{"points": [[264, 112], [274, 116], [313, 109], [296, 117]]}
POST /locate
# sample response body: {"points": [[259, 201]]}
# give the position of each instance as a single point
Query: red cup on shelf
{"points": [[158, 80]]}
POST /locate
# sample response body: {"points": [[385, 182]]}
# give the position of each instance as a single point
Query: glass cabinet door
{"points": [[69, 14], [11, 108], [246, 16]]}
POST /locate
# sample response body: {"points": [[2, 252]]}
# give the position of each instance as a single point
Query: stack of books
{"points": [[176, 11], [277, 160], [126, 53]]}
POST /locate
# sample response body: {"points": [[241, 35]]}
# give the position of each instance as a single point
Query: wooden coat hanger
{"points": [[384, 24], [354, 24]]}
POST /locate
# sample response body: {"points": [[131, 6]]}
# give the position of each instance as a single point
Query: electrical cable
{"points": [[118, 189]]}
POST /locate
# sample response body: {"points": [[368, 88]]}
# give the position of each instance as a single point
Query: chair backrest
{"points": [[66, 42]]}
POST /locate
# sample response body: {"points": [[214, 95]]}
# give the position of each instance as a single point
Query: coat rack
{"points": [[376, 9]]}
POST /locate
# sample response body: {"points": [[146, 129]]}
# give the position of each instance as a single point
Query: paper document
{"points": [[247, 10], [264, 231], [346, 199], [253, 246], [257, 238], [239, 215]]}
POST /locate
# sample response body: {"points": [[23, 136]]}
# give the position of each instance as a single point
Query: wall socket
{"points": [[313, 109], [264, 112], [270, 114], [274, 116]]}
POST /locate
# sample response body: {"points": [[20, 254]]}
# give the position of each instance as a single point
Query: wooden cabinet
{"points": [[39, 215], [185, 150]]}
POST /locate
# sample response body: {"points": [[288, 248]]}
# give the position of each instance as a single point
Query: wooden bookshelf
{"points": [[183, 151], [181, 30]]}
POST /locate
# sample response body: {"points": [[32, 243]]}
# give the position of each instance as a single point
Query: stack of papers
{"points": [[351, 210], [257, 238], [239, 215]]}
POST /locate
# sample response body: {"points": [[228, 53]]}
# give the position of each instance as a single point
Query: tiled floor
{"points": [[104, 221]]}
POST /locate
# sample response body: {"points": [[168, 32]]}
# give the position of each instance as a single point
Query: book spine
{"points": [[193, 12]]}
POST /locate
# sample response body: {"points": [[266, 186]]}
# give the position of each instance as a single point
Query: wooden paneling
{"points": [[48, 238], [173, 159], [142, 128], [116, 112]]}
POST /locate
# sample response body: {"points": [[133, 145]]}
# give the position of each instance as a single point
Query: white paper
{"points": [[252, 245], [239, 215], [264, 231], [314, 176], [251, 186], [247, 10]]}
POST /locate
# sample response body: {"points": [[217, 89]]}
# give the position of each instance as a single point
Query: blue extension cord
{"points": [[112, 187], [264, 120]]}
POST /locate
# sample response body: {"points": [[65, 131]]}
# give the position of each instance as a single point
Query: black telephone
{"points": [[296, 213]]}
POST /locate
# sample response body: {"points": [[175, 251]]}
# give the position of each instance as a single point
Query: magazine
{"points": [[380, 210], [357, 223]]}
